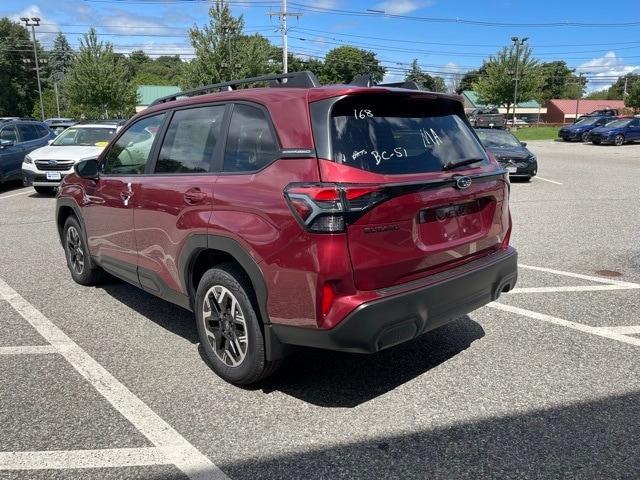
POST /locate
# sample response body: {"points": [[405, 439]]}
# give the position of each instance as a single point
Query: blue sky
{"points": [[443, 40]]}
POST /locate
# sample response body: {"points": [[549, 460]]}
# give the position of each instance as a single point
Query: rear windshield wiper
{"points": [[461, 163]]}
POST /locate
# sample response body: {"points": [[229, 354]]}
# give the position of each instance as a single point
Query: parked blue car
{"points": [[17, 138], [580, 130], [617, 132]]}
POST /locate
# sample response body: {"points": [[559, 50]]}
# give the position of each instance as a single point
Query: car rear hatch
{"points": [[409, 207]]}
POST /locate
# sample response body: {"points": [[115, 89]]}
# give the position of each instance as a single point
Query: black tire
{"points": [[618, 140], [566, 139], [595, 142], [75, 247], [45, 190], [585, 137], [253, 367]]}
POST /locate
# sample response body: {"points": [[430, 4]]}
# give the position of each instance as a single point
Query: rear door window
{"points": [[250, 142], [191, 140], [28, 132], [391, 135], [9, 134]]}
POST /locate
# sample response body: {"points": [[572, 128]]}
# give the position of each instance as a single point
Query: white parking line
{"points": [[576, 288], [63, 459], [623, 329], [177, 450], [566, 323], [16, 194], [546, 180], [28, 350], [607, 281]]}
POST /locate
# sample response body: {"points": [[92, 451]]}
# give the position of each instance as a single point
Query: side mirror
{"points": [[6, 143], [87, 169], [524, 144]]}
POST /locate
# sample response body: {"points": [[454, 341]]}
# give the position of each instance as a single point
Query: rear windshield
{"points": [[400, 135]]}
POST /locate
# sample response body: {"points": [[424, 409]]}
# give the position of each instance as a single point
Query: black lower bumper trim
{"points": [[395, 319]]}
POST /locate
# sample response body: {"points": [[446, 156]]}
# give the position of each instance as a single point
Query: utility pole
{"points": [[579, 95], [34, 22], [518, 43], [55, 88], [283, 14]]}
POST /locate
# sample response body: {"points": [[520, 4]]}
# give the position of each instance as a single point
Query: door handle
{"points": [[194, 196]]}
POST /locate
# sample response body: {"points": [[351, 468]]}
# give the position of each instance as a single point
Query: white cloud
{"points": [[47, 24], [393, 77], [154, 49], [402, 7], [606, 70]]}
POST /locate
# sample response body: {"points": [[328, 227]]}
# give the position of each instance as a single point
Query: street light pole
{"points": [[518, 43], [579, 95], [34, 22]]}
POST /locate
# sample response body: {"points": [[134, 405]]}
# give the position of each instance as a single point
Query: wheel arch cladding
{"points": [[67, 208], [202, 252]]}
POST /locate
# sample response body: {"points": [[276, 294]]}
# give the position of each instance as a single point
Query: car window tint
{"points": [[250, 143], [9, 133], [28, 132], [42, 131], [400, 135], [130, 154], [190, 141]]}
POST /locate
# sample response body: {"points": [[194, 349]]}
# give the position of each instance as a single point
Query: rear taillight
{"points": [[507, 235], [329, 207]]}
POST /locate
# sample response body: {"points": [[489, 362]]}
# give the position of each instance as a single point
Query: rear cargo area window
{"points": [[399, 134]]}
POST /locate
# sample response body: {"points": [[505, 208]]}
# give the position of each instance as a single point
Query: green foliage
{"points": [[559, 81], [50, 107], [536, 133], [496, 87], [343, 64], [223, 52], [424, 80], [19, 88], [467, 80], [598, 95], [632, 99], [97, 85], [61, 59], [161, 71], [616, 91]]}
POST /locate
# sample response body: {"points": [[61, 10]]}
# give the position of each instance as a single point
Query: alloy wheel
{"points": [[619, 140], [225, 325], [74, 250]]}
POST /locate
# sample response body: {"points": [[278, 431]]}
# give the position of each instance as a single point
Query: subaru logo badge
{"points": [[463, 182], [52, 163]]}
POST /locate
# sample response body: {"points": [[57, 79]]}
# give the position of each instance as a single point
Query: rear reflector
{"points": [[327, 298]]}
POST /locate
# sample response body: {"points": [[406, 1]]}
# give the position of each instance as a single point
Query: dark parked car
{"points": [[617, 132], [486, 118], [580, 130], [17, 139], [59, 125], [340, 217], [512, 154], [604, 112]]}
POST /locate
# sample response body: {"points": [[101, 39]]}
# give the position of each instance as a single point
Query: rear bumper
{"points": [[397, 318]]}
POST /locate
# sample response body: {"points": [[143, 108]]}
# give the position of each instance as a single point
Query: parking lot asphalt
{"points": [[109, 383]]}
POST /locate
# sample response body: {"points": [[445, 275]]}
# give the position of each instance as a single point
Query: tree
{"points": [[19, 91], [598, 95], [496, 87], [61, 59], [559, 81], [165, 70], [616, 91], [223, 52], [466, 82], [424, 80], [343, 64], [632, 99], [97, 84]]}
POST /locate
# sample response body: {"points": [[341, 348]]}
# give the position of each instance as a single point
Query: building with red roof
{"points": [[564, 111]]}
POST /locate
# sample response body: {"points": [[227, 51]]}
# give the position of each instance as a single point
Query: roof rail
{"points": [[365, 80], [303, 79]]}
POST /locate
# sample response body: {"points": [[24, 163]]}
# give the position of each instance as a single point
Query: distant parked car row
{"points": [[603, 130]]}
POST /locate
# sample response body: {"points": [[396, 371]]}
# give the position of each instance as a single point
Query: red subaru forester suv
{"points": [[344, 217]]}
